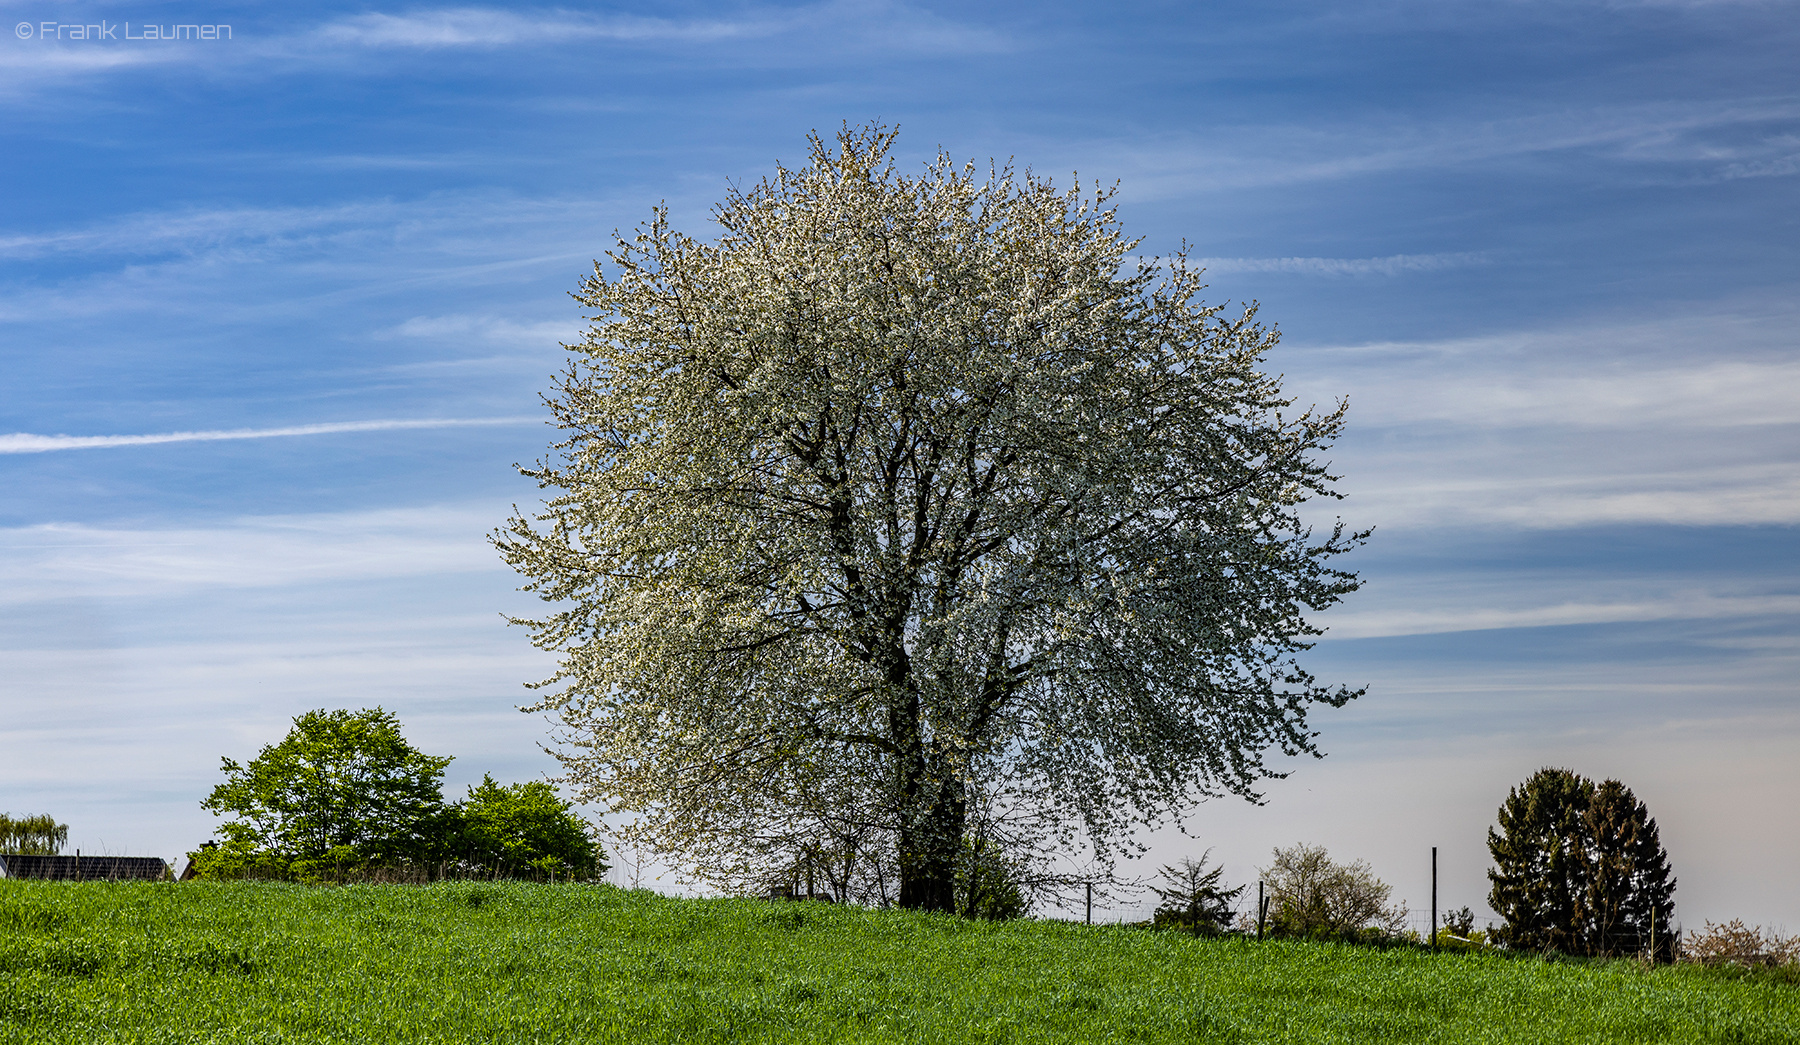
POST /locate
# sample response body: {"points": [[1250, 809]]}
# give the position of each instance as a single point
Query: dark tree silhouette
{"points": [[1579, 868]]}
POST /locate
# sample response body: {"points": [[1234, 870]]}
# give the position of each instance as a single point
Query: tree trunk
{"points": [[929, 848]]}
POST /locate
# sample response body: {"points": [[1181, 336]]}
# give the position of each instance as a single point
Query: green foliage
{"points": [[341, 793], [1196, 899], [1460, 923], [987, 883], [1579, 868], [238, 858], [1458, 932], [470, 962], [524, 830], [1312, 895], [32, 835]]}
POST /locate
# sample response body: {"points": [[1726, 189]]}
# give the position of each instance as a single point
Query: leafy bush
{"points": [[341, 793], [1458, 932], [987, 883], [1735, 943], [238, 858], [1311, 895], [344, 798]]}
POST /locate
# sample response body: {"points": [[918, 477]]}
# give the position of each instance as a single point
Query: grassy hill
{"points": [[467, 962]]}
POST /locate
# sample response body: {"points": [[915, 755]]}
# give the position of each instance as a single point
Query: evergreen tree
{"points": [[1579, 868], [1537, 877], [1609, 831], [1642, 874], [1196, 899]]}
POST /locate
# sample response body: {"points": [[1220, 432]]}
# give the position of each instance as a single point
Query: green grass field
{"points": [[195, 962]]}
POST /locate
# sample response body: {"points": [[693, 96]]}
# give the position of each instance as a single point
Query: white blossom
{"points": [[908, 496]]}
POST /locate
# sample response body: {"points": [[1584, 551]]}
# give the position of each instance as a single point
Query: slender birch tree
{"points": [[907, 495]]}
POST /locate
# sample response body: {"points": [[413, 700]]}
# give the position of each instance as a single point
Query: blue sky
{"points": [[1549, 251]]}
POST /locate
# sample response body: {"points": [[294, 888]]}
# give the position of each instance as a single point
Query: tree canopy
{"points": [[343, 788], [345, 795], [524, 830], [37, 835], [915, 499]]}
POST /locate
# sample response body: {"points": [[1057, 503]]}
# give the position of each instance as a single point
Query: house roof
{"points": [[83, 868]]}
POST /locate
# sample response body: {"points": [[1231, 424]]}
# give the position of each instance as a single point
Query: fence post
{"points": [[1090, 902], [1434, 897], [1262, 910]]}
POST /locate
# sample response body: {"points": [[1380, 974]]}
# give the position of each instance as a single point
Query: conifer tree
{"points": [[1579, 868], [1196, 899], [1648, 887], [1537, 877]]}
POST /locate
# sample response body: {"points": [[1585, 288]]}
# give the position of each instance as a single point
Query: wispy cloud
{"points": [[1774, 167], [1728, 367], [495, 329], [1680, 141], [285, 258], [884, 25], [1391, 265], [1605, 394], [1438, 488], [1683, 420], [1440, 620], [68, 560], [445, 220], [27, 443], [785, 34], [194, 229], [493, 27]]}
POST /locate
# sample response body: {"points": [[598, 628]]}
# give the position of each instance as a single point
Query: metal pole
{"points": [[1262, 910], [1434, 897], [1090, 903]]}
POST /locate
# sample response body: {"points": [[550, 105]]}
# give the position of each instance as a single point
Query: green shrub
{"points": [[987, 883], [1312, 896]]}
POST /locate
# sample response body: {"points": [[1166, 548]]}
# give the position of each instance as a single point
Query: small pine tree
{"points": [[1195, 900], [1579, 868], [1459, 923]]}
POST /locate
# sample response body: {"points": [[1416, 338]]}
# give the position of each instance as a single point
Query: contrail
{"points": [[27, 443]]}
